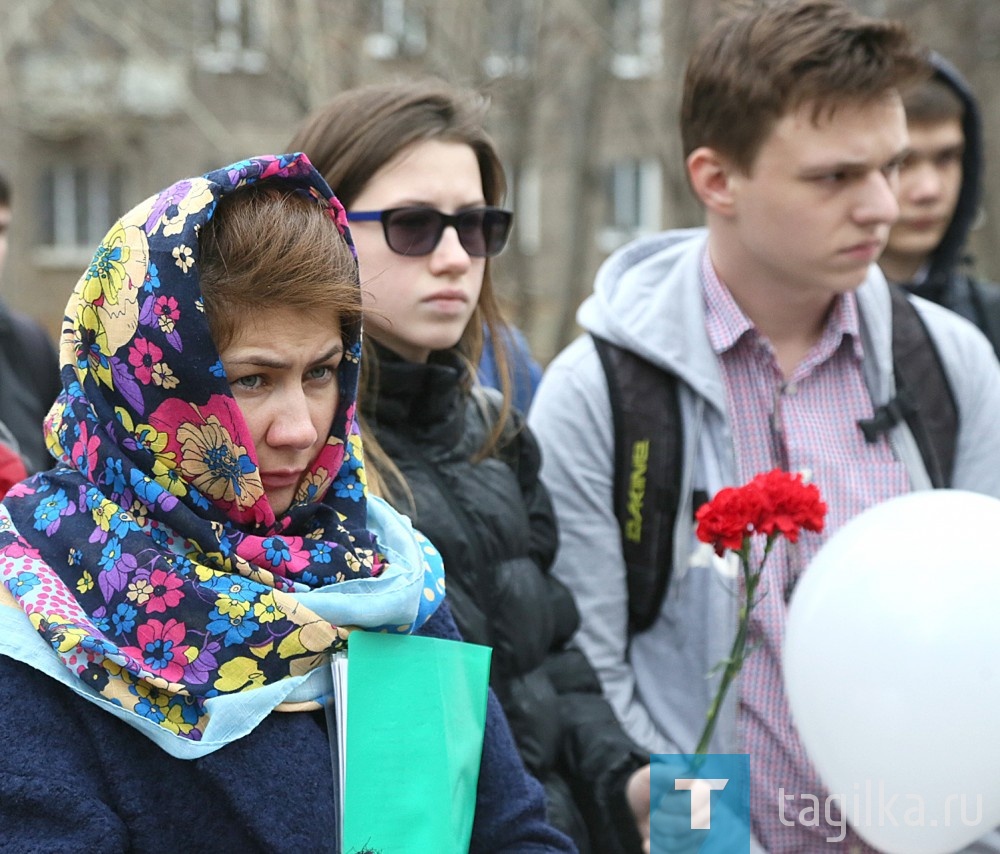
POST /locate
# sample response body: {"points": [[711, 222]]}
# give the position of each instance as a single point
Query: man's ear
{"points": [[711, 176]]}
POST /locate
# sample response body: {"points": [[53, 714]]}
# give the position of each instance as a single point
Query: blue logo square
{"points": [[700, 802]]}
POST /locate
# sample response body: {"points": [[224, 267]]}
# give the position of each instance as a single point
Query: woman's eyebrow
{"points": [[268, 360]]}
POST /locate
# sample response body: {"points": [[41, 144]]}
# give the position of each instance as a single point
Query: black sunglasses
{"points": [[417, 231]]}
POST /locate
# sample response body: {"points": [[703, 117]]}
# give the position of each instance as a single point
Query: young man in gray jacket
{"points": [[777, 323]]}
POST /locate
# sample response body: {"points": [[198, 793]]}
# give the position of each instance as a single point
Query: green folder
{"points": [[416, 714]]}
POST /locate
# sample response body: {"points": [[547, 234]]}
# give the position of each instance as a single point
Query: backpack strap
{"points": [[646, 420], [985, 299], [924, 398]]}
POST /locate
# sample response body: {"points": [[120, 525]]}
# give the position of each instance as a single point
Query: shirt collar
{"points": [[726, 322]]}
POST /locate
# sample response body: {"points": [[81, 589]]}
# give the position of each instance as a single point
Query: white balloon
{"points": [[892, 670]]}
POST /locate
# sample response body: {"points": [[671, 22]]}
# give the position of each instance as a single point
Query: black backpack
{"points": [[985, 299], [649, 444]]}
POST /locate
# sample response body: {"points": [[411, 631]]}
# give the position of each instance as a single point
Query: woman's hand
{"points": [[671, 820], [637, 794]]}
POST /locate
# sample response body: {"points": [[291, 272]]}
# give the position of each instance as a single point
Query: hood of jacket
{"points": [[643, 301], [950, 252]]}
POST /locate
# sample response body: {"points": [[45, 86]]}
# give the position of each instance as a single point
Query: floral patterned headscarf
{"points": [[149, 558]]}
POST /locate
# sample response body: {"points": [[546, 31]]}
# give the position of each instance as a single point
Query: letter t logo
{"points": [[701, 798]]}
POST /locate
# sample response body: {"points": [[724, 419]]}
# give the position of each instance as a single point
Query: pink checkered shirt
{"points": [[808, 424]]}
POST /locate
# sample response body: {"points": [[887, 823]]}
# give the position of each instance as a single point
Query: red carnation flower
{"points": [[729, 517], [791, 505], [776, 503]]}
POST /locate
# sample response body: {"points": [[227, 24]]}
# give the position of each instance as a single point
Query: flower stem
{"points": [[737, 654]]}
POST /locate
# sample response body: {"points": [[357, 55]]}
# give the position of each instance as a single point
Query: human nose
{"points": [[879, 203], [292, 424], [449, 255], [923, 183]]}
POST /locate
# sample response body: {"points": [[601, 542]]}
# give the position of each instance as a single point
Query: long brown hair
{"points": [[350, 139]]}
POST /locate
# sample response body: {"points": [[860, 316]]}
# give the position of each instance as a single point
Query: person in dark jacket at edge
{"points": [[940, 190], [29, 376], [421, 180]]}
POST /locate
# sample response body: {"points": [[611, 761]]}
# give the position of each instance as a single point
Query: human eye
{"points": [[325, 372], [908, 159], [250, 382], [948, 158], [830, 177], [325, 368], [320, 372], [897, 164], [831, 180]]}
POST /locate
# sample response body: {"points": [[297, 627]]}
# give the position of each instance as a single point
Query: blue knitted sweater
{"points": [[76, 779]]}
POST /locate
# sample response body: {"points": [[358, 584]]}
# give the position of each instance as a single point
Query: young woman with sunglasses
{"points": [[423, 186]]}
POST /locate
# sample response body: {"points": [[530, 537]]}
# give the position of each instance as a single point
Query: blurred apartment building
{"points": [[105, 101]]}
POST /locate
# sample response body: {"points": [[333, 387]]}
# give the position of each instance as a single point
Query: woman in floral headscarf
{"points": [[205, 541]]}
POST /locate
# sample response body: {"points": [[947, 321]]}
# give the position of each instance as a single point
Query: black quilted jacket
{"points": [[494, 525]]}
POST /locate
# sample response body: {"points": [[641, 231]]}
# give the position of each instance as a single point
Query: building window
{"points": [[511, 30], [396, 28], [525, 199], [78, 204], [234, 36], [633, 201], [636, 37]]}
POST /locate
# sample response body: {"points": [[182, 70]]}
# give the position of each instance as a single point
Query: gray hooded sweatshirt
{"points": [[648, 299]]}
